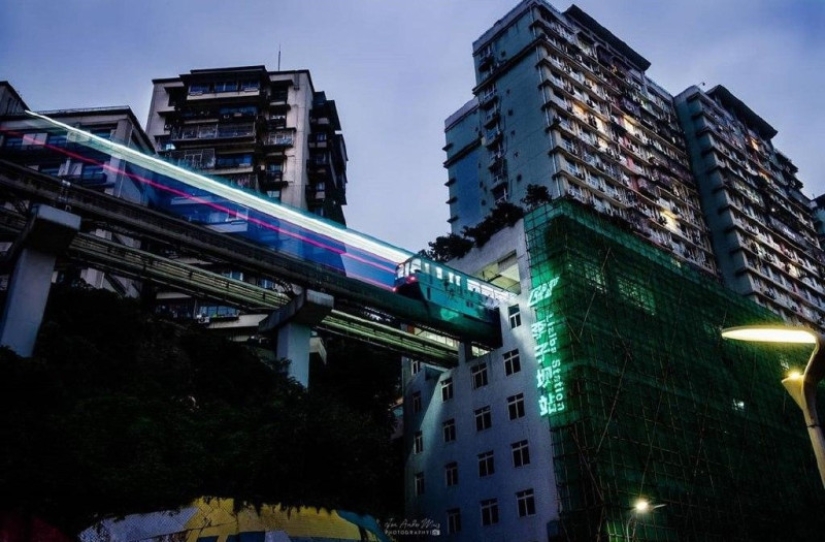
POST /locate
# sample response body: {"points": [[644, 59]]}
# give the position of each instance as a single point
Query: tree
{"points": [[447, 247], [536, 194], [121, 412]]}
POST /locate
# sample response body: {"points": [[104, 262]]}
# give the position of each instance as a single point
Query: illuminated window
{"points": [[415, 366], [514, 315], [451, 473], [453, 520], [593, 274], [416, 401], [526, 503], [515, 406], [486, 464], [479, 376], [484, 419], [448, 428], [446, 389], [512, 362], [418, 442], [521, 453], [419, 483], [489, 512], [637, 294]]}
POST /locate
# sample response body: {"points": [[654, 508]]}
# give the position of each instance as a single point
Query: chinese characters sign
{"points": [[552, 398]]}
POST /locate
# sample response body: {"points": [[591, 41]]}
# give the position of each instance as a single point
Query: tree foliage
{"points": [[447, 247], [505, 214], [119, 412], [536, 194]]}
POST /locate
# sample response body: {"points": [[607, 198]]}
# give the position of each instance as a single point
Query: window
{"points": [[486, 464], [500, 193], [92, 172], [526, 503], [515, 406], [484, 419], [512, 362], [514, 315], [415, 366], [234, 160], [448, 428], [521, 453], [479, 376], [453, 520], [489, 512], [199, 88], [226, 86], [13, 142], [418, 442], [446, 389], [451, 473], [416, 401], [419, 483]]}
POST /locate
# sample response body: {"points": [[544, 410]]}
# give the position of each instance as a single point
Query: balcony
{"points": [[491, 117], [200, 159], [492, 136], [213, 131], [486, 99], [280, 139], [273, 180]]}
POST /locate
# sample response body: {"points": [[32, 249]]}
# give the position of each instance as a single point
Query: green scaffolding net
{"points": [[645, 399]]}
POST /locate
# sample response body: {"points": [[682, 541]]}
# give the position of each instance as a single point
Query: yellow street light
{"points": [[801, 387], [640, 507]]}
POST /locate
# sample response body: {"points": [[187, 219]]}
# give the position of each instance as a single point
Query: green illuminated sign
{"points": [[552, 398]]}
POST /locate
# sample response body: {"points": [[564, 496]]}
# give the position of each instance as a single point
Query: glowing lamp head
{"points": [[771, 334], [641, 506], [794, 375]]}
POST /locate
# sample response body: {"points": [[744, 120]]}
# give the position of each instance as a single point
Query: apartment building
{"points": [[27, 141], [270, 133], [613, 383], [563, 103], [763, 231]]}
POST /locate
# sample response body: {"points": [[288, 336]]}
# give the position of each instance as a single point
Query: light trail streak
{"points": [[319, 226]]}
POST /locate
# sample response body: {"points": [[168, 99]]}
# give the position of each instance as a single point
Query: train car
{"points": [[447, 291]]}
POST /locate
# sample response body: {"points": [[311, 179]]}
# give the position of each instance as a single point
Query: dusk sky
{"points": [[397, 69]]}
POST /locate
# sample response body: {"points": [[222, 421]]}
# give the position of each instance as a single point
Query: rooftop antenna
{"points": [[279, 57]]}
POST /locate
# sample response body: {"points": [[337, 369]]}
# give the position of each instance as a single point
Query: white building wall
{"points": [[507, 479]]}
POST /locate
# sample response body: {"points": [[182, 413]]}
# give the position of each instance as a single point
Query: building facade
{"points": [[26, 141], [270, 133], [563, 103], [657, 237], [763, 230], [613, 385]]}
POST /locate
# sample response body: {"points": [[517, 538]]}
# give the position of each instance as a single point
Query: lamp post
{"points": [[641, 506], [801, 387]]}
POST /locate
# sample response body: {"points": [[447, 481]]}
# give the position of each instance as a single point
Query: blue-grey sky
{"points": [[397, 69]]}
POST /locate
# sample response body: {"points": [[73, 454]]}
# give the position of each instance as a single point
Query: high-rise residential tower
{"points": [[267, 132], [270, 132], [613, 383], [763, 231], [563, 103]]}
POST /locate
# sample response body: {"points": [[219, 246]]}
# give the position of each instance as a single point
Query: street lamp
{"points": [[802, 387], [641, 506]]}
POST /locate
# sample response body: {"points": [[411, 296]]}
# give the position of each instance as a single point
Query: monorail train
{"points": [[448, 291]]}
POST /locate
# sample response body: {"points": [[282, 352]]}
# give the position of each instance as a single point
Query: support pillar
{"points": [[46, 235], [293, 325]]}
